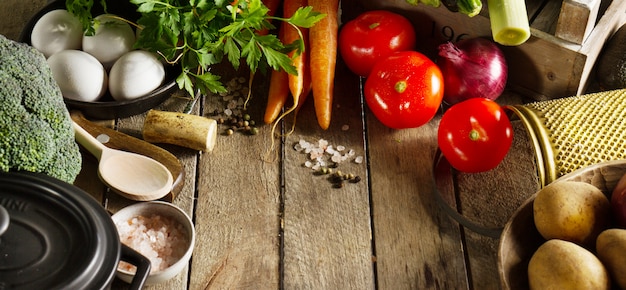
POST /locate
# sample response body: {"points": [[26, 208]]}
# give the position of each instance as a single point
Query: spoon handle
{"points": [[89, 142]]}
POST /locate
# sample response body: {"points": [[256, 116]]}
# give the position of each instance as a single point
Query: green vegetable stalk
{"points": [[470, 8], [509, 21], [196, 34]]}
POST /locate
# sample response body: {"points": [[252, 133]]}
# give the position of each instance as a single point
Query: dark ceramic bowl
{"points": [[107, 107]]}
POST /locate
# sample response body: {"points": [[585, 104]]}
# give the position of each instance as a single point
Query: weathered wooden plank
{"points": [[547, 17], [15, 14], [237, 208], [417, 245], [327, 231], [577, 18]]}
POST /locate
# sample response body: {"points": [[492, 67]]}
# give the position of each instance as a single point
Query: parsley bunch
{"points": [[196, 34]]}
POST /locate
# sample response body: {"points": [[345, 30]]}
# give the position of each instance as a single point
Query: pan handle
{"points": [[142, 263], [4, 220]]}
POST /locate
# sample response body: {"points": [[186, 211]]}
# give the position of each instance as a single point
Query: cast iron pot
{"points": [[54, 235]]}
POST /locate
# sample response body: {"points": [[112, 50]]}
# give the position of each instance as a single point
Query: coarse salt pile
{"points": [[160, 239], [322, 154]]}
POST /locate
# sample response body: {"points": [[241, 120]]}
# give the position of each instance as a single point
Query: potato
{"points": [[610, 248], [571, 210], [559, 264]]}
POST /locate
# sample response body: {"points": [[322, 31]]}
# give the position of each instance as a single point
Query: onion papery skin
{"points": [[472, 68]]}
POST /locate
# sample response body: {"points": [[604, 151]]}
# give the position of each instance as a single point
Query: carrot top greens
{"points": [[199, 33]]}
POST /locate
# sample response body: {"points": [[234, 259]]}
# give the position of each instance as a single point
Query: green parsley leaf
{"points": [[196, 34]]}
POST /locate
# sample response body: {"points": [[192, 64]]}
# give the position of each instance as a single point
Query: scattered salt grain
{"points": [[158, 238]]}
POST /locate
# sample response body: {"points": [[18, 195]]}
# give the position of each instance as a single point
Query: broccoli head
{"points": [[36, 132]]}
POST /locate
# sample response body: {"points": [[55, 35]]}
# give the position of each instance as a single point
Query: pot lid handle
{"points": [[4, 220]]}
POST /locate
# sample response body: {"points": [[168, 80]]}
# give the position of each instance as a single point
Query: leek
{"points": [[509, 21], [470, 8], [433, 3]]}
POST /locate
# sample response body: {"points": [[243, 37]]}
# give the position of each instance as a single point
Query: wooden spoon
{"points": [[131, 175], [125, 142]]}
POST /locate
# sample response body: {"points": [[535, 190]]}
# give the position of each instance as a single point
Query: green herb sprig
{"points": [[196, 34]]}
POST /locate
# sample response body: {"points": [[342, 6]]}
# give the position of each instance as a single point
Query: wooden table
{"points": [[268, 222]]}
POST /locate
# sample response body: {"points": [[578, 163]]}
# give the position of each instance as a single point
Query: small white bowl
{"points": [[164, 209]]}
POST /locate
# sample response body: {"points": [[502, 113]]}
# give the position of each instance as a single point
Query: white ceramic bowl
{"points": [[164, 209]]}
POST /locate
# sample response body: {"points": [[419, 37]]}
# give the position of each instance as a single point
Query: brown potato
{"points": [[610, 247], [572, 211], [559, 264]]}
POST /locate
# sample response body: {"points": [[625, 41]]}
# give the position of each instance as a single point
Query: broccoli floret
{"points": [[36, 132]]}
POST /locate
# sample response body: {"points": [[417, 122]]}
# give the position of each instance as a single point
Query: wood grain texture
{"points": [[577, 18], [15, 14], [237, 213], [275, 224], [327, 232], [417, 245]]}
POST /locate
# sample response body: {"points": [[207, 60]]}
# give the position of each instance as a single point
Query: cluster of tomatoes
{"points": [[405, 89]]}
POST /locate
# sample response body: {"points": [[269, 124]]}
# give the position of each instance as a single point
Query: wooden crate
{"points": [[558, 59]]}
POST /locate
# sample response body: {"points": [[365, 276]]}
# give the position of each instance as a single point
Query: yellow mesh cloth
{"points": [[575, 132]]}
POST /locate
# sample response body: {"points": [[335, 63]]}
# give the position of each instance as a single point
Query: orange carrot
{"points": [[323, 43], [291, 34], [277, 96], [278, 90]]}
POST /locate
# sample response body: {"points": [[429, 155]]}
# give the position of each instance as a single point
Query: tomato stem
{"points": [[374, 25], [400, 86], [474, 135]]}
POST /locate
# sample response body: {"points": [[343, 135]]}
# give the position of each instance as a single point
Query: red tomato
{"points": [[374, 35], [404, 90], [475, 135]]}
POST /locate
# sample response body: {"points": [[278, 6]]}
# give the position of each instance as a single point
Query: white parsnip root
{"points": [[186, 130]]}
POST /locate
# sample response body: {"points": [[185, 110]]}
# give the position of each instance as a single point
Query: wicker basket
{"points": [[520, 237]]}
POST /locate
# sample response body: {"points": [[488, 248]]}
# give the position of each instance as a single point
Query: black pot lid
{"points": [[58, 236]]}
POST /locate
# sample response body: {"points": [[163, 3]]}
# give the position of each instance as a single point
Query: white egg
{"points": [[55, 31], [134, 75], [80, 76], [113, 38]]}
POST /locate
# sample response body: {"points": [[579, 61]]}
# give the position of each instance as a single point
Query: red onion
{"points": [[474, 67]]}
